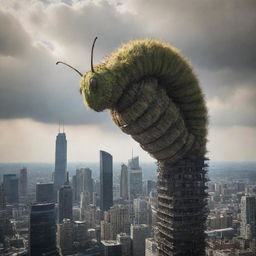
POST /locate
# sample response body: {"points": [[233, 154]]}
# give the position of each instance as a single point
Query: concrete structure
{"points": [[89, 215], [150, 185], [23, 184], [11, 188], [106, 181], [111, 248], [60, 161], [65, 202], [44, 193], [42, 236], [248, 217], [150, 247], [141, 211], [138, 234], [134, 178], [80, 229], [2, 213], [65, 237], [124, 182], [126, 243], [84, 203]]}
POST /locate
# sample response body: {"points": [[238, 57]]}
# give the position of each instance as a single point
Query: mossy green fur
{"points": [[141, 59]]}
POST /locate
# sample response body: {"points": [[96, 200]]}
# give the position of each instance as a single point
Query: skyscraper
{"points": [[138, 234], [60, 161], [106, 181], [135, 178], [111, 248], [23, 185], [248, 217], [11, 188], [65, 202], [44, 193], [42, 236], [2, 213], [124, 182]]}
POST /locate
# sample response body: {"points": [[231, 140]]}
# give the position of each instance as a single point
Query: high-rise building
{"points": [[89, 215], [81, 182], [141, 211], [134, 178], [80, 229], [11, 188], [65, 237], [44, 193], [138, 234], [111, 248], [65, 202], [23, 185], [42, 236], [118, 218], [150, 185], [60, 161], [84, 203], [2, 213], [248, 217], [106, 181], [124, 182], [150, 247], [126, 243]]}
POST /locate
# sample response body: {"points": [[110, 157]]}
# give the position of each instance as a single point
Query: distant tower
{"points": [[42, 235], [65, 237], [124, 182], [65, 202], [138, 234], [60, 161], [135, 178], [106, 181], [248, 217], [11, 188], [23, 186], [44, 193], [2, 213]]}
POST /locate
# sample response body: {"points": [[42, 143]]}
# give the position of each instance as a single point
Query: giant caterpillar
{"points": [[154, 96]]}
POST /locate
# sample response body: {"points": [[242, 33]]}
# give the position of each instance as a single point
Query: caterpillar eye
{"points": [[93, 84]]}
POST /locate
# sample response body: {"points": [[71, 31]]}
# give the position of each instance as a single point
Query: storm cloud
{"points": [[217, 36]]}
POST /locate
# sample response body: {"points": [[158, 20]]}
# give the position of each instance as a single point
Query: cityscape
{"points": [[116, 212], [127, 128]]}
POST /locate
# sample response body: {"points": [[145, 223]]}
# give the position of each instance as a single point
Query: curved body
{"points": [[154, 96]]}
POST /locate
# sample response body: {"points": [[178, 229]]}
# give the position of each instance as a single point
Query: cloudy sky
{"points": [[218, 36]]}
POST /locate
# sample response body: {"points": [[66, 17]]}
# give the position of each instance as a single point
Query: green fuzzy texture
{"points": [[138, 61]]}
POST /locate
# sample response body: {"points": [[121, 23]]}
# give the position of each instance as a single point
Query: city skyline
{"points": [[42, 94]]}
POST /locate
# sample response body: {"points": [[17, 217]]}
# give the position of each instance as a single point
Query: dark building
{"points": [[65, 202], [44, 193], [150, 185], [23, 185], [2, 213], [42, 235], [60, 161], [111, 248], [106, 181], [11, 188]]}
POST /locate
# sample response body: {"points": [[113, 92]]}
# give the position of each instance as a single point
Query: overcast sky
{"points": [[218, 37]]}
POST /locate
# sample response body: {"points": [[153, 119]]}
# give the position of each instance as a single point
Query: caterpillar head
{"points": [[96, 86]]}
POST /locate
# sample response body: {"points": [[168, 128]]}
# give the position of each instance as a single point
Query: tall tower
{"points": [[11, 188], [135, 178], [106, 181], [124, 182], [23, 186], [248, 217], [2, 213], [42, 231], [60, 161], [65, 197]]}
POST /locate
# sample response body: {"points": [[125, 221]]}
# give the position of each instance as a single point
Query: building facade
{"points": [[44, 193], [42, 235], [23, 183], [106, 181], [60, 161], [11, 188], [124, 182]]}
